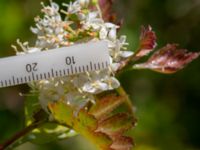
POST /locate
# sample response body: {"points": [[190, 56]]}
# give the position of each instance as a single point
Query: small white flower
{"points": [[110, 25], [112, 35], [84, 3], [103, 33], [34, 50], [115, 66], [126, 54], [93, 21], [75, 90], [81, 16], [35, 30], [95, 87], [73, 7]]}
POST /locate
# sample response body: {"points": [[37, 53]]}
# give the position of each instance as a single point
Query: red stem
{"points": [[20, 134]]}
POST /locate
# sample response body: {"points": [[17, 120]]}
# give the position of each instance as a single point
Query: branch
{"points": [[126, 63], [38, 122], [147, 44]]}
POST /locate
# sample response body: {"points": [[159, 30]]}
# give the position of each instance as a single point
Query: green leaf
{"points": [[31, 107], [83, 123], [116, 124], [48, 131], [84, 120], [102, 140], [106, 105], [123, 143], [98, 124], [62, 112]]}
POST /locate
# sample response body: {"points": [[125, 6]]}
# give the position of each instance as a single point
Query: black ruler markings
{"points": [[60, 71], [37, 77], [54, 73], [49, 75]]}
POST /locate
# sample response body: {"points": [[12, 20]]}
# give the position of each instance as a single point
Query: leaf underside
{"points": [[147, 42], [48, 131], [106, 9], [168, 59], [98, 124]]}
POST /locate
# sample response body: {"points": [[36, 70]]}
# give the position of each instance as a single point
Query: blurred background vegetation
{"points": [[167, 106]]}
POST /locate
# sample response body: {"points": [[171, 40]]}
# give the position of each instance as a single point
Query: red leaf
{"points": [[106, 105], [106, 8], [123, 143], [116, 125], [147, 41], [168, 59]]}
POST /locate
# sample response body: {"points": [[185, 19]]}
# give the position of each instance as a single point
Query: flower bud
{"points": [[112, 35], [84, 3]]}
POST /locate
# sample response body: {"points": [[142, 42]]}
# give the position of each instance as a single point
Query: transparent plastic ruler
{"points": [[53, 63]]}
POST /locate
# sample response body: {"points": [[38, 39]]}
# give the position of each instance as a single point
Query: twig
{"points": [[125, 63], [38, 122]]}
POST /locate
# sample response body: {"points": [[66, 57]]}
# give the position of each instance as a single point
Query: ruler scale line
{"points": [[99, 67], [6, 84], [95, 66], [25, 79], [83, 68], [58, 62], [17, 81], [52, 72], [56, 73], [45, 77], [91, 66], [87, 68], [76, 70], [49, 75], [13, 78], [79, 69], [41, 77], [33, 77], [10, 83], [107, 64], [72, 70], [103, 65], [22, 80], [60, 72], [29, 78], [68, 72], [37, 77], [64, 72]]}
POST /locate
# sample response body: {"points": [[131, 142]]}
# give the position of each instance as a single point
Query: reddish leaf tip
{"points": [[107, 11], [169, 59], [123, 122], [147, 41], [123, 143]]}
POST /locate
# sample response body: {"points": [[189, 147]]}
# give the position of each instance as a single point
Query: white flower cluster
{"points": [[52, 31]]}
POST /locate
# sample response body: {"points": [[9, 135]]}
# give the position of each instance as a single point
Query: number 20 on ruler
{"points": [[33, 67], [54, 63]]}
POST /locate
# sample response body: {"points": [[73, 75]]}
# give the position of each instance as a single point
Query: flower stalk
{"points": [[19, 136], [88, 103]]}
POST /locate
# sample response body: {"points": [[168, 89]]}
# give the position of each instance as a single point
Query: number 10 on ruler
{"points": [[54, 63], [33, 67]]}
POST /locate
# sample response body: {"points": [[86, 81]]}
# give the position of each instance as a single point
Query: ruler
{"points": [[54, 63]]}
